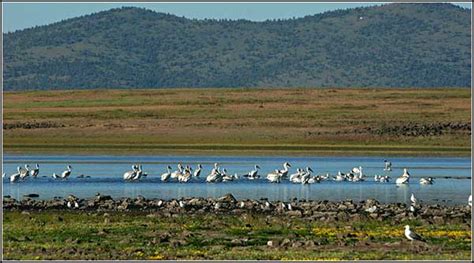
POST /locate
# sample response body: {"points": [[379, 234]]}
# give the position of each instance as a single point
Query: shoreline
{"points": [[227, 204], [218, 228], [240, 150]]}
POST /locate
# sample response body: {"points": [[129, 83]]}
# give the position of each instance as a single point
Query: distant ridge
{"points": [[393, 45]]}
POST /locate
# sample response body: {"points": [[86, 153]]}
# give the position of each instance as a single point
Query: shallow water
{"points": [[106, 177]]}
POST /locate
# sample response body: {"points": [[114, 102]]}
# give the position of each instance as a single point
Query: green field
{"points": [[140, 235], [240, 121]]}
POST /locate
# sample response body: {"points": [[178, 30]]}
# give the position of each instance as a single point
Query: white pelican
{"points": [[388, 165], [186, 175], [404, 178], [412, 235], [305, 177], [73, 204], [25, 172], [182, 204], [16, 176], [377, 178], [55, 176], [3, 175], [340, 177], [358, 171], [66, 173], [167, 175], [226, 177], [371, 209], [284, 172], [469, 201], [139, 173], [253, 174], [384, 179], [428, 180], [215, 176], [178, 172], [296, 177], [130, 174], [198, 171], [413, 198], [34, 172], [274, 177]]}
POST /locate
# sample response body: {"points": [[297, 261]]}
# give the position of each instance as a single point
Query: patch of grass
{"points": [[133, 235], [226, 120]]}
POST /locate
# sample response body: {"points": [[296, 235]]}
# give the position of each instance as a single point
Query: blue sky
{"points": [[24, 15]]}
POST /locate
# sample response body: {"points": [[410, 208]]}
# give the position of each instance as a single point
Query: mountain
{"points": [[392, 45]]}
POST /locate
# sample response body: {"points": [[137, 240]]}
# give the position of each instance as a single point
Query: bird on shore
{"points": [[388, 165], [412, 235], [413, 199], [469, 201], [167, 175], [425, 181], [34, 172]]}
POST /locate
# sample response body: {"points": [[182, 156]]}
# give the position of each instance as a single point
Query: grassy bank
{"points": [[139, 235], [238, 121]]}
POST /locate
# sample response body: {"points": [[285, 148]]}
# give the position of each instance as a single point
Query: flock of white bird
{"points": [[185, 174], [301, 176]]}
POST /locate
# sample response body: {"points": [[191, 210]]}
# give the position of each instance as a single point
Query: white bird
{"points": [[412, 235], [384, 179], [178, 172], [296, 177], [469, 201], [357, 170], [340, 177], [130, 174], [34, 172], [181, 204], [226, 177], [428, 180], [67, 172], [73, 204], [215, 176], [242, 204], [371, 209], [404, 178], [16, 176], [284, 172], [25, 172], [274, 177], [3, 175], [413, 198], [198, 171], [253, 174], [55, 176], [388, 166], [167, 175], [138, 174], [186, 175], [305, 177]]}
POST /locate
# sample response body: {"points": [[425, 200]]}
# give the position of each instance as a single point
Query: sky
{"points": [[18, 16]]}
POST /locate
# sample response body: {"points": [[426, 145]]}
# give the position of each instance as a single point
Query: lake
{"points": [[106, 173]]}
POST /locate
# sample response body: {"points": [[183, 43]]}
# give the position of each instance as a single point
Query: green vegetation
{"points": [[393, 45], [139, 235], [240, 121]]}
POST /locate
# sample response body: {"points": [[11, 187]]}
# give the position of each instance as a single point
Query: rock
{"points": [[285, 242], [31, 195], [438, 220], [294, 213], [227, 198]]}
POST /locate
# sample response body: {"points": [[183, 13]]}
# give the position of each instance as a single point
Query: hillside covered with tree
{"points": [[393, 45]]}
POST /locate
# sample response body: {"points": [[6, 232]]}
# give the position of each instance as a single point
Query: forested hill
{"points": [[393, 45]]}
